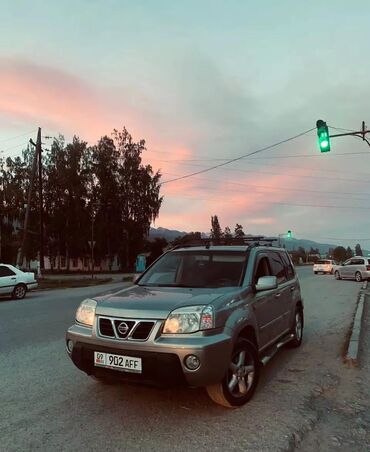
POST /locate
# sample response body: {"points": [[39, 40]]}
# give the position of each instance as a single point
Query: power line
{"points": [[250, 161], [240, 158], [344, 238], [274, 189], [321, 206], [18, 136]]}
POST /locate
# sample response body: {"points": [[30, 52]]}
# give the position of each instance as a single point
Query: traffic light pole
{"points": [[360, 134]]}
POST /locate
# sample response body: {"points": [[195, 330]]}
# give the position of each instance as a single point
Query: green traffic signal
{"points": [[289, 234], [323, 136]]}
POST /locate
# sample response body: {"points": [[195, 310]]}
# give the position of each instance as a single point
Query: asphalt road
{"points": [[47, 404]]}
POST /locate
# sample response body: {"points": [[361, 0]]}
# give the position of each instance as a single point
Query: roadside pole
{"points": [[92, 245], [28, 206]]}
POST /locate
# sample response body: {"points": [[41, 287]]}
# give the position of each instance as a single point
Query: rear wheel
{"points": [[337, 275], [358, 277], [297, 329], [315, 273], [19, 291], [241, 379]]}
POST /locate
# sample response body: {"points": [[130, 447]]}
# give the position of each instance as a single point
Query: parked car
{"points": [[358, 268], [324, 266], [207, 316], [14, 282]]}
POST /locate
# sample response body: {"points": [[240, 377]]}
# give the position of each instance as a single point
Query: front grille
{"points": [[105, 327], [125, 329], [142, 330]]}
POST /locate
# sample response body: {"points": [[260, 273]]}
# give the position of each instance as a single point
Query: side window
{"points": [[5, 271], [263, 269], [277, 267], [288, 266], [357, 262]]}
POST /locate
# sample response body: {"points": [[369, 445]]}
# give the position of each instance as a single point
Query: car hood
{"points": [[156, 302]]}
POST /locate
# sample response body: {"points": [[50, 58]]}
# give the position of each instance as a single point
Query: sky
{"points": [[203, 82]]}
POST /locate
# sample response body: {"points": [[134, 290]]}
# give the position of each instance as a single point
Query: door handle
{"points": [[13, 278], [277, 295], [292, 288]]}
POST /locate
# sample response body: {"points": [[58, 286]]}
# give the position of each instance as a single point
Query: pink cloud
{"points": [[53, 98]]}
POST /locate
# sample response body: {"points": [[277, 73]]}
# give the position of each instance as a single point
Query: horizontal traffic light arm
{"points": [[360, 134]]}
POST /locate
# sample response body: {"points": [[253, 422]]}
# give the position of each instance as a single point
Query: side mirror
{"points": [[266, 283]]}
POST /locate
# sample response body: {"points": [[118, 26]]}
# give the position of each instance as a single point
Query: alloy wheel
{"points": [[241, 374]]}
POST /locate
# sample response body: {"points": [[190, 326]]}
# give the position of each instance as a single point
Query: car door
{"points": [[345, 270], [8, 280], [283, 295], [358, 265], [264, 302]]}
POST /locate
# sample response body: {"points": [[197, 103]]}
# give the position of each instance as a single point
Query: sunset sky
{"points": [[203, 82]]}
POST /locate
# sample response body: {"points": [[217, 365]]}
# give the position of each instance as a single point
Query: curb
{"points": [[352, 354]]}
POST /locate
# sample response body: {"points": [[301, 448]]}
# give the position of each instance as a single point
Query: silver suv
{"points": [[358, 268], [207, 316]]}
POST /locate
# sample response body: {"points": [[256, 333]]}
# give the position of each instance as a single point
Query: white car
{"points": [[14, 282], [324, 266]]}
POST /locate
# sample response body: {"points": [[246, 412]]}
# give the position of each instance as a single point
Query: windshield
{"points": [[323, 262], [197, 269]]}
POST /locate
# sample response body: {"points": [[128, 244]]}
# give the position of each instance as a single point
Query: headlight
{"points": [[86, 312], [189, 320]]}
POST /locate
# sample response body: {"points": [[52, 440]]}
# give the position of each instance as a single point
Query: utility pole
{"points": [[28, 206], [41, 202]]}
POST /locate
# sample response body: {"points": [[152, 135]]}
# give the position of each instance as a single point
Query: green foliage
{"points": [[349, 253], [155, 248], [238, 231], [216, 231], [340, 254], [358, 250], [106, 185]]}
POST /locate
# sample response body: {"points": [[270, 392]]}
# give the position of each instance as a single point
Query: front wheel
{"points": [[337, 275], [19, 291], [241, 379], [358, 277]]}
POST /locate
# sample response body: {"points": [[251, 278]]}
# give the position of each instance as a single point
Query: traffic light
{"points": [[289, 234], [323, 136]]}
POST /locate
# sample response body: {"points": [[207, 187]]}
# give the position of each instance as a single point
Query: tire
{"points": [[19, 292], [358, 277], [315, 273], [337, 275], [238, 385], [297, 329]]}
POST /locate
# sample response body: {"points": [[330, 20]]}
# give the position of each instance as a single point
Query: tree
{"points": [[238, 231], [358, 250], [340, 254], [349, 253], [139, 198], [155, 248], [187, 238], [216, 231]]}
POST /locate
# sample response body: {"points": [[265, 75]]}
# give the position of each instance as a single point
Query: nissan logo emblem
{"points": [[123, 328]]}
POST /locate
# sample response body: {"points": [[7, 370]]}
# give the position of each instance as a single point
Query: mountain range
{"points": [[290, 244]]}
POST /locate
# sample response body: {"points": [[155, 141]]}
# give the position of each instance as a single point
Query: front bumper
{"points": [[162, 357]]}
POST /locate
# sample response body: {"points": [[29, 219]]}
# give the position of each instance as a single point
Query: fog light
{"points": [[192, 362], [69, 346]]}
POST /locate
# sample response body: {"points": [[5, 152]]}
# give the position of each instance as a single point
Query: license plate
{"points": [[118, 362]]}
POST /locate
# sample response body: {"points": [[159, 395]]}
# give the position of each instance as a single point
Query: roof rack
{"points": [[250, 241]]}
